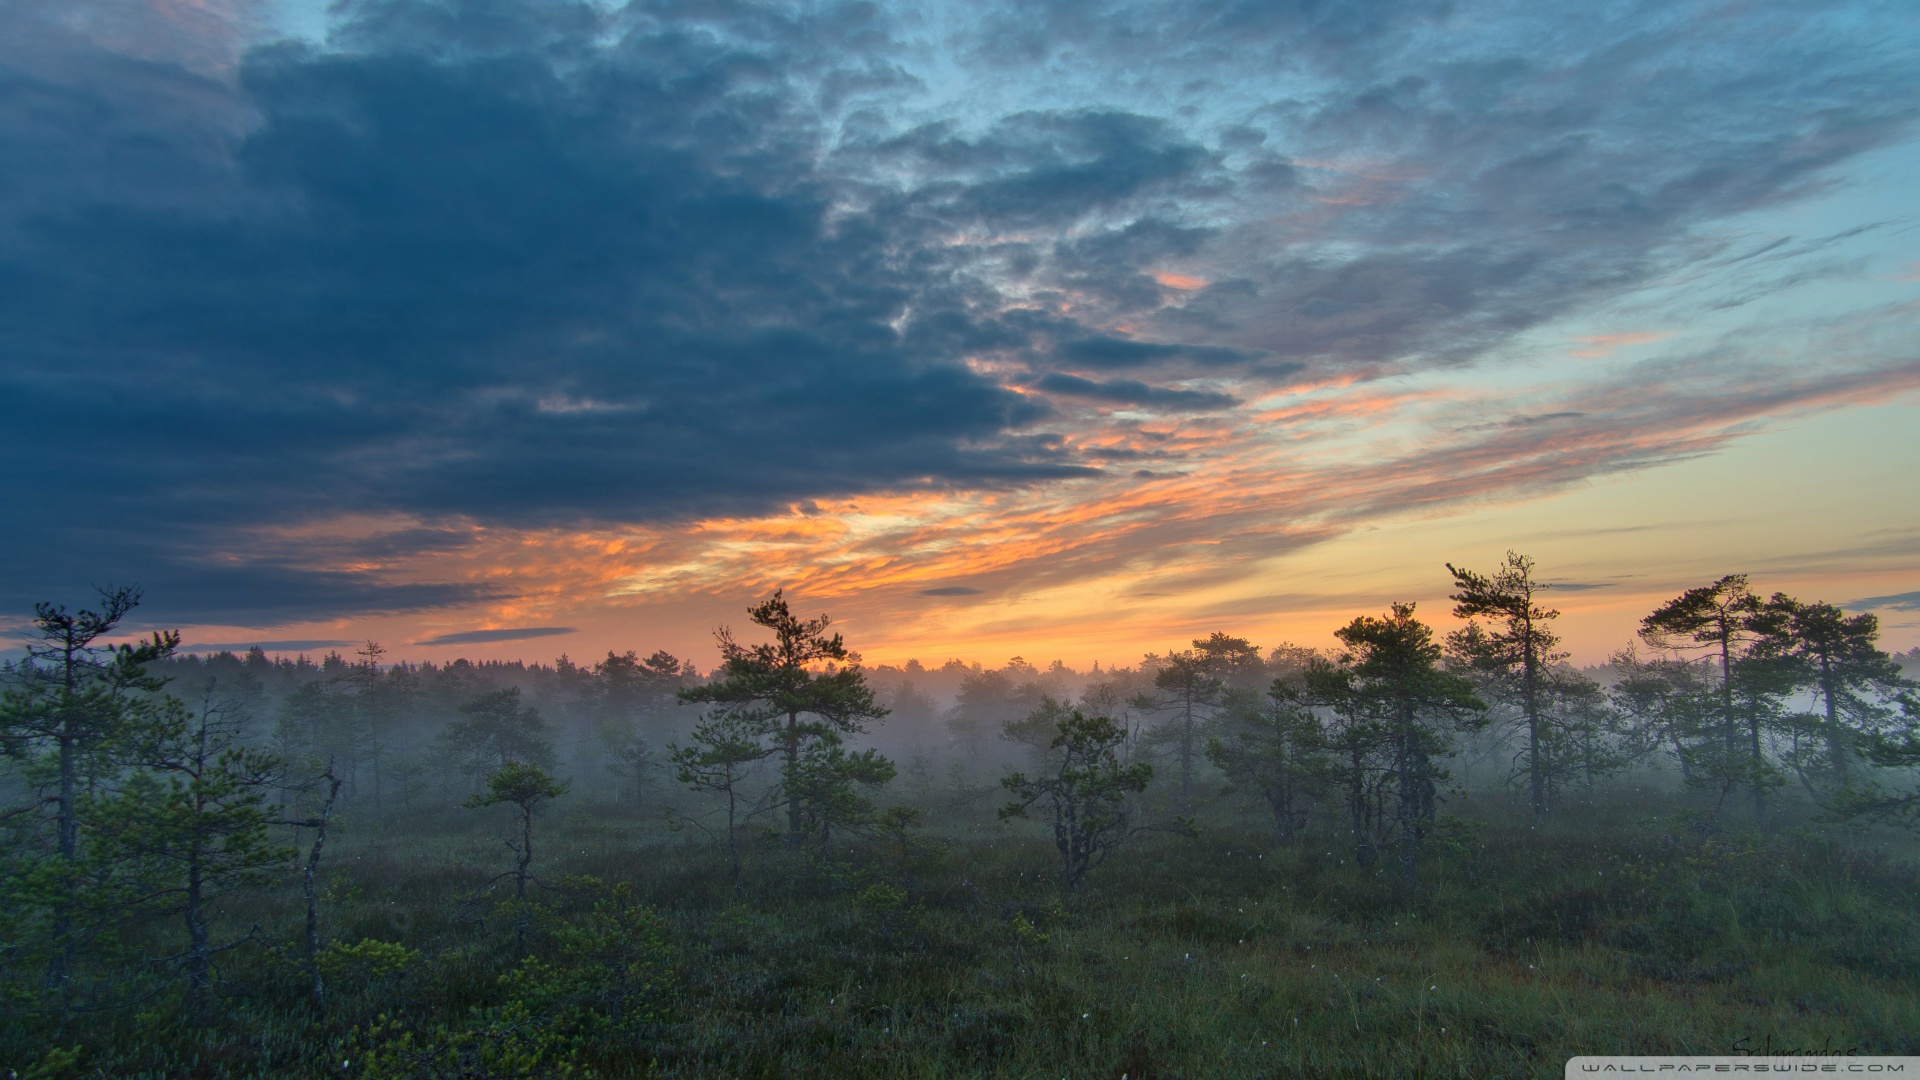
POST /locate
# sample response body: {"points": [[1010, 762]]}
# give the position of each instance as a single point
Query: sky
{"points": [[1063, 330]]}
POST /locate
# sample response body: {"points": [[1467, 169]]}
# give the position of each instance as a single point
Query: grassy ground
{"points": [[1227, 955]]}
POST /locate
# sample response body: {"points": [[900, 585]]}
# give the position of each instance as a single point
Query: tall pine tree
{"points": [[803, 690]]}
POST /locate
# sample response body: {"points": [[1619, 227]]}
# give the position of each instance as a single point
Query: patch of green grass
{"points": [[1227, 955]]}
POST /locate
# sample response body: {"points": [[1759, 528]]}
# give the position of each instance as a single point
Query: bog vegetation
{"points": [[1413, 854]]}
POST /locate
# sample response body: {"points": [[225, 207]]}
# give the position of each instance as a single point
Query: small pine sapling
{"points": [[1088, 793], [526, 787]]}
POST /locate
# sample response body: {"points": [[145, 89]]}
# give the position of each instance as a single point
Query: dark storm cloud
{"points": [[1130, 392], [1908, 601], [469, 265], [1111, 352], [264, 591], [1281, 33], [484, 637], [293, 645], [1049, 168], [1115, 264]]}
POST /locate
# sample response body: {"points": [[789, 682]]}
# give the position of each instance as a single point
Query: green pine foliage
{"points": [[1087, 794]]}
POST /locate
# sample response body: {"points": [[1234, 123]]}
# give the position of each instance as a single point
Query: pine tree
{"points": [[1670, 703], [1393, 676], [1188, 690], [494, 730], [379, 698], [1856, 685], [1273, 748], [720, 753], [1087, 792], [1898, 750], [1037, 729], [1728, 622], [1358, 742], [73, 705], [987, 700], [802, 689], [1590, 736], [526, 787], [828, 782], [631, 758], [1519, 650], [1233, 660], [632, 698], [309, 875], [189, 824]]}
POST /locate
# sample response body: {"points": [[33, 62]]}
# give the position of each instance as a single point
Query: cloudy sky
{"points": [[498, 328]]}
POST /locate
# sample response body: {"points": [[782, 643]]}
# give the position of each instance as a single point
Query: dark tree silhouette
{"points": [[1272, 748], [1729, 622], [526, 787], [718, 757], [1087, 793], [1519, 648], [1394, 676], [804, 688], [73, 699], [495, 730], [1855, 683], [189, 823], [1187, 689]]}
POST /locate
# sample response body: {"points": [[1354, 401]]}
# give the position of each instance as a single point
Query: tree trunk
{"points": [[521, 923], [311, 894], [1729, 722], [1280, 801], [199, 948], [1409, 802], [60, 965], [733, 842], [1357, 807], [1836, 743], [1536, 781], [526, 853], [1680, 754], [1530, 690], [794, 822], [1186, 757]]}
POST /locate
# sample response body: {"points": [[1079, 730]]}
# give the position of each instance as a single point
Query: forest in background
{"points": [[571, 854]]}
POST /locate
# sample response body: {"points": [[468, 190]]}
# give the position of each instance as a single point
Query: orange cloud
{"points": [[1183, 282], [1605, 344]]}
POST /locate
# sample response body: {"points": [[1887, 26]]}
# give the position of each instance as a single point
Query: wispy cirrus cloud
{"points": [[1133, 392], [487, 637], [293, 645], [1907, 601], [1600, 345]]}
